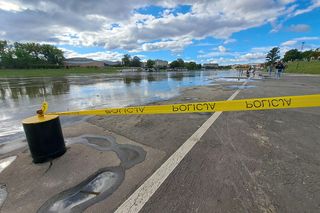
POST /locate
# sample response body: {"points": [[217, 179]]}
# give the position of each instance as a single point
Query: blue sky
{"points": [[202, 31]]}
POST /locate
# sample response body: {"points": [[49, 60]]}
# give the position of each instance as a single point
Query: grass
{"points": [[11, 73], [304, 67]]}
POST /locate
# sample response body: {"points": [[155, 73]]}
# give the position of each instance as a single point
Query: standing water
{"points": [[21, 97]]}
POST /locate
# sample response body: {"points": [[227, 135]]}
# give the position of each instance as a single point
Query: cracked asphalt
{"points": [[256, 161]]}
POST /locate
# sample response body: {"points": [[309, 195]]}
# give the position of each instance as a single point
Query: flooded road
{"points": [[21, 97]]}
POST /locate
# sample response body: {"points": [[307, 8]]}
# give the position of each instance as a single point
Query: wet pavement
{"points": [[21, 97], [259, 161]]}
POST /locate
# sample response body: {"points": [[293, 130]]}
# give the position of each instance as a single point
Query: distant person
{"points": [[248, 73], [270, 70], [254, 72], [280, 68]]}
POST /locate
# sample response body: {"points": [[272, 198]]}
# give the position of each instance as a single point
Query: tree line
{"points": [[292, 55], [179, 63], [29, 55], [135, 61]]}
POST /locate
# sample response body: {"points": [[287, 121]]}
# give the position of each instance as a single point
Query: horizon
{"points": [[204, 32]]}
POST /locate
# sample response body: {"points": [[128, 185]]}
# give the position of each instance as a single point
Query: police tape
{"points": [[231, 105]]}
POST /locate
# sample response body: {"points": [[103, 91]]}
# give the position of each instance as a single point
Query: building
{"points": [[112, 63], [211, 66], [161, 64], [258, 66], [82, 62]]}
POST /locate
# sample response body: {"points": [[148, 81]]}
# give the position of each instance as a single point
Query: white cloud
{"points": [[253, 56], [83, 23], [299, 28], [10, 6], [241, 59], [222, 49], [315, 4], [229, 40], [289, 43], [173, 45], [102, 56], [297, 41], [307, 38]]}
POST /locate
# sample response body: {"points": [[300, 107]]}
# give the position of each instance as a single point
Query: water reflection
{"points": [[132, 79], [21, 97], [32, 88]]}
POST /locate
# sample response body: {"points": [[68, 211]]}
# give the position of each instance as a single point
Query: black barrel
{"points": [[44, 136]]}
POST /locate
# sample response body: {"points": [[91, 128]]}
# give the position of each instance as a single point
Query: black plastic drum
{"points": [[44, 136]]}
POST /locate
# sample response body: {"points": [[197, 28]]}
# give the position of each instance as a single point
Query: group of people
{"points": [[280, 67], [249, 71]]}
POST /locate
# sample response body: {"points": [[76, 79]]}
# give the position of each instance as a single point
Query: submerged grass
{"points": [[11, 73]]}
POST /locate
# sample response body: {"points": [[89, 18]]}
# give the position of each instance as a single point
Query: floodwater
{"points": [[21, 97]]}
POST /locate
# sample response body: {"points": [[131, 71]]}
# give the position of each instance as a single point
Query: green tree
{"points": [[22, 58], [292, 55], [316, 53], [3, 45], [179, 63], [136, 61], [272, 56], [51, 54], [307, 54], [150, 63], [174, 64], [191, 66], [30, 55], [7, 55], [126, 60]]}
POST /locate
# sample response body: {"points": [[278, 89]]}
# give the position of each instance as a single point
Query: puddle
{"points": [[3, 194], [240, 87], [99, 142], [129, 155], [20, 97], [4, 163], [233, 79], [94, 189], [10, 146], [99, 185]]}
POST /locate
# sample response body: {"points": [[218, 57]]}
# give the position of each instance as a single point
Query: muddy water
{"points": [[20, 97]]}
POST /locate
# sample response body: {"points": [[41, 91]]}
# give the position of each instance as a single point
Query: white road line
{"points": [[139, 198]]}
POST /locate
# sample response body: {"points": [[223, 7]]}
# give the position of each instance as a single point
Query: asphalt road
{"points": [[254, 161], [258, 161]]}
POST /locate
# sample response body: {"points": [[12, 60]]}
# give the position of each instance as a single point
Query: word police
{"points": [[267, 103]]}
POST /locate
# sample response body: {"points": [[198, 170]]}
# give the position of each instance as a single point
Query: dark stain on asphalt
{"points": [[99, 185]]}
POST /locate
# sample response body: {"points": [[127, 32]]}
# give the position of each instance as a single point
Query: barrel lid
{"points": [[39, 119]]}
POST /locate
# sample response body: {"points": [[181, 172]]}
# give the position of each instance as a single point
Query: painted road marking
{"points": [[139, 198]]}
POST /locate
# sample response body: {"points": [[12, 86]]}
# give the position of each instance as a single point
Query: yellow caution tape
{"points": [[232, 105], [44, 107]]}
